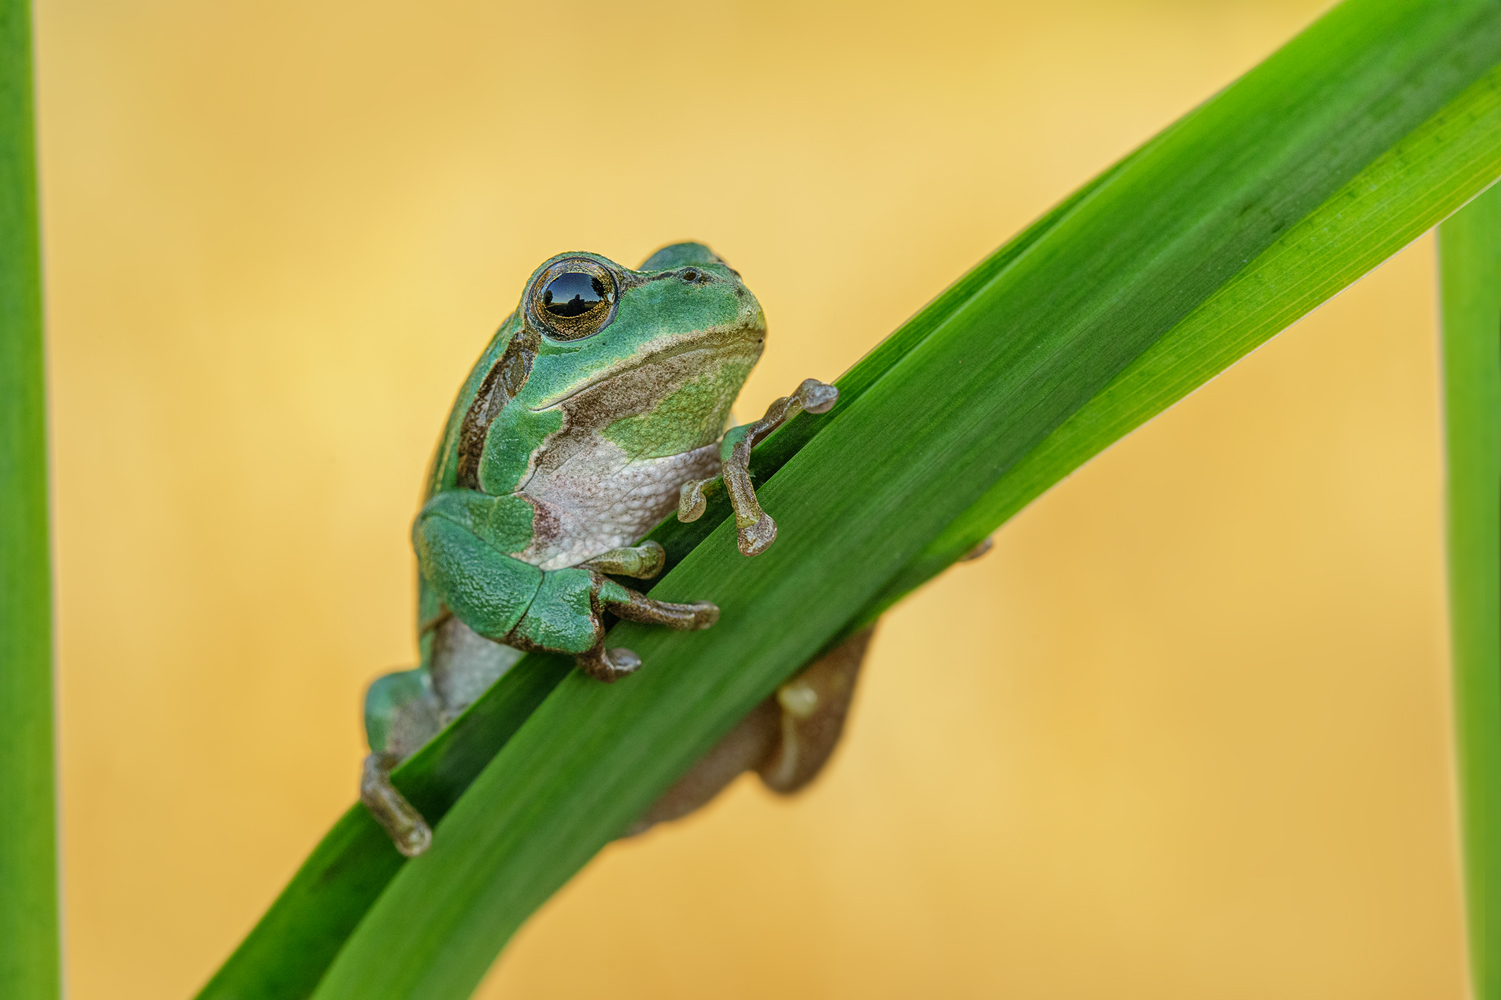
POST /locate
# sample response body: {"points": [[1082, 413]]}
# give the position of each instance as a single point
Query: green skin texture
{"points": [[663, 373]]}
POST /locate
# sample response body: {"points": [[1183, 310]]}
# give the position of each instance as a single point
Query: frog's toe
{"points": [[754, 538], [818, 397], [705, 614], [683, 617], [609, 666], [623, 661], [693, 617], [415, 840], [691, 502]]}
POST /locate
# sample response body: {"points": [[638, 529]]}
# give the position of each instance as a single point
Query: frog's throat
{"points": [[728, 341]]}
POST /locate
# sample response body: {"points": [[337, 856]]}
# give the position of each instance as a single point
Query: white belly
{"points": [[598, 498]]}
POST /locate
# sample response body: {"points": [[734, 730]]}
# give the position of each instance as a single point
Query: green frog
{"points": [[598, 408]]}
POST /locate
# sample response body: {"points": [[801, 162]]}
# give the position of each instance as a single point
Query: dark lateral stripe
{"points": [[501, 384]]}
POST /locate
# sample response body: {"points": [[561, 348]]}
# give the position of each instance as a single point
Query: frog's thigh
{"points": [[742, 749], [401, 713], [813, 706], [788, 747], [562, 616], [486, 589]]}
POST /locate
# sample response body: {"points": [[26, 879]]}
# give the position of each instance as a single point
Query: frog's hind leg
{"points": [[814, 705], [742, 749], [401, 714], [787, 739]]}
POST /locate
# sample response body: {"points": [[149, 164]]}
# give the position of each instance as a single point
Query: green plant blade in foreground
{"points": [[1263, 201], [292, 945], [296, 940], [1470, 276], [29, 949]]}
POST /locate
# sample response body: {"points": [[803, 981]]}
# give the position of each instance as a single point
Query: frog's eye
{"points": [[573, 294], [573, 299]]}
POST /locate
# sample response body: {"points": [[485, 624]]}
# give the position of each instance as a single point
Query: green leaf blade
{"points": [[292, 946], [1420, 181], [1470, 279], [1007, 366], [294, 942]]}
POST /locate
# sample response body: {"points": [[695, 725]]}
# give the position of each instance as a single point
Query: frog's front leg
{"points": [[755, 528], [565, 617], [462, 538]]}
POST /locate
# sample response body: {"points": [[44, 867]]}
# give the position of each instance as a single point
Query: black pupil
{"points": [[573, 294]]}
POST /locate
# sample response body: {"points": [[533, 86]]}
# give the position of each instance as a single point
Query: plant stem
{"points": [[1470, 275]]}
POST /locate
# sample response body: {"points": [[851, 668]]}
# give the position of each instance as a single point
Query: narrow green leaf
{"points": [[1245, 214], [1470, 274], [1398, 197], [29, 952], [293, 944]]}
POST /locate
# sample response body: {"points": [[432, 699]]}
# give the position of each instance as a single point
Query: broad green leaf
{"points": [[29, 951], [1364, 131], [1470, 275]]}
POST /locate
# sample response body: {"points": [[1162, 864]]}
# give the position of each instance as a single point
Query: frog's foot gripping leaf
{"points": [[755, 528], [566, 616], [517, 604], [626, 603]]}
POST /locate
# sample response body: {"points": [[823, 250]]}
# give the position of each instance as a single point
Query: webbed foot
{"points": [[628, 604]]}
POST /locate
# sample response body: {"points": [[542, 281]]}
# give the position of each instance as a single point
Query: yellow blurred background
{"points": [[1183, 734]]}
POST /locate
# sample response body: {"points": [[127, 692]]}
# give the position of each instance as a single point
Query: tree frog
{"points": [[598, 408]]}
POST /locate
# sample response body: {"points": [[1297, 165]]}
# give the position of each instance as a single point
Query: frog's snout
{"points": [[755, 318], [752, 317]]}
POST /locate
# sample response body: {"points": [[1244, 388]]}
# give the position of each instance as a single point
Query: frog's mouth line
{"points": [[716, 340]]}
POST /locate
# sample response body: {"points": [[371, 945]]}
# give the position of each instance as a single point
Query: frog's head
{"points": [[655, 355]]}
